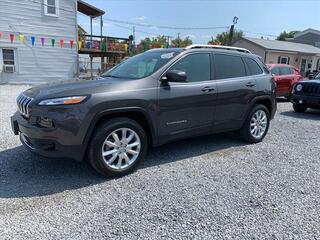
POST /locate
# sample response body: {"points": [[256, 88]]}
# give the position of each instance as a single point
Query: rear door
{"points": [[187, 108], [235, 90], [285, 80]]}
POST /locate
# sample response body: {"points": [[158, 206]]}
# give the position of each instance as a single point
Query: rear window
{"points": [[275, 71], [286, 71], [228, 66], [253, 67]]}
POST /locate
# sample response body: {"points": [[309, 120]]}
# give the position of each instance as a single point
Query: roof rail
{"points": [[218, 47]]}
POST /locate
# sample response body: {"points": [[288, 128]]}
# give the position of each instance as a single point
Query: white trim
{"points": [[45, 6], [15, 63], [284, 57]]}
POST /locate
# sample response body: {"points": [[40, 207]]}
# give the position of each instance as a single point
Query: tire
{"points": [[113, 150], [246, 130], [299, 109]]}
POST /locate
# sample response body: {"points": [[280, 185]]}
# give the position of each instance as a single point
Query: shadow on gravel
{"points": [[310, 114], [23, 174]]}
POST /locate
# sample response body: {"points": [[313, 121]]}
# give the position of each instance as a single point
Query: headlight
{"points": [[299, 87], [63, 101]]}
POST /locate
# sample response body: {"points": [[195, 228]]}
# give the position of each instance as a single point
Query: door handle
{"points": [[250, 84], [207, 89]]}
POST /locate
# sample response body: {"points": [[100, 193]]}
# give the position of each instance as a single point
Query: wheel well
{"points": [[139, 117], [266, 103]]}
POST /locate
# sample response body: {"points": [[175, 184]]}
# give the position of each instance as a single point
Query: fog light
{"points": [[45, 122], [300, 101]]}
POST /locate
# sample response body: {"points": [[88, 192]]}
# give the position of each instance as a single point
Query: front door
{"points": [[303, 66], [187, 108]]}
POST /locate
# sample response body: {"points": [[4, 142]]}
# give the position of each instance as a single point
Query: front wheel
{"points": [[257, 124], [117, 147]]}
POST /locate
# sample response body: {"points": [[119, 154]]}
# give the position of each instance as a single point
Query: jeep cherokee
{"points": [[150, 99], [306, 94]]}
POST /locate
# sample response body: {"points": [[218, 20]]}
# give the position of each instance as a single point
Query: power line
{"points": [[161, 26]]}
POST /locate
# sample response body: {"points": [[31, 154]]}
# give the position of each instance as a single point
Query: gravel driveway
{"points": [[212, 187]]}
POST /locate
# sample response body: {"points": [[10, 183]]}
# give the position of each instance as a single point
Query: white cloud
{"points": [[141, 18]]}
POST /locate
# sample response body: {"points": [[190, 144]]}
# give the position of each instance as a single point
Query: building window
{"points": [[51, 7], [283, 60], [8, 59]]}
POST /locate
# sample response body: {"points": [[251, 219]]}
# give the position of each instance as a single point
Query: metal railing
{"points": [[94, 43]]}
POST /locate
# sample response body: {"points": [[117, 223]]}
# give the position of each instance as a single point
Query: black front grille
{"points": [[23, 103], [311, 89]]}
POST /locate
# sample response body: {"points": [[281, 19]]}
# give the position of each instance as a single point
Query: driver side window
{"points": [[196, 66]]}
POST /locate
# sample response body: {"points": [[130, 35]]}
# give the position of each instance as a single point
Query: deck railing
{"points": [[99, 44]]}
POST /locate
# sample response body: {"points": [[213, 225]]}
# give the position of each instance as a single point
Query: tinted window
{"points": [[227, 66], [275, 71], [141, 65], [196, 66], [253, 67], [285, 71]]}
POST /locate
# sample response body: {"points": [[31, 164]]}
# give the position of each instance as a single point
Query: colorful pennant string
{"points": [[71, 43], [42, 41], [21, 38], [11, 37], [33, 40]]}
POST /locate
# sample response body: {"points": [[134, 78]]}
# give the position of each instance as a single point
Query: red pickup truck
{"points": [[285, 76]]}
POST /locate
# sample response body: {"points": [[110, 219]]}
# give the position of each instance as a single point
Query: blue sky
{"points": [[268, 17]]}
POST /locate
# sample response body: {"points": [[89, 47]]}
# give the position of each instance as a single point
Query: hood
{"points": [[313, 81], [73, 88]]}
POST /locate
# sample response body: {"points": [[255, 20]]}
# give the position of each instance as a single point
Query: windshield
{"points": [[142, 65], [317, 76]]}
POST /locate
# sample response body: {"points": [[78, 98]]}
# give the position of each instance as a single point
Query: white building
{"points": [[42, 21]]}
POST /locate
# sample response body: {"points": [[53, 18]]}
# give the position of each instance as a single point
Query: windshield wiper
{"points": [[109, 75]]}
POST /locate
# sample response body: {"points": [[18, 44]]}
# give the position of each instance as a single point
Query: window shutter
{"points": [[288, 60], [279, 59]]}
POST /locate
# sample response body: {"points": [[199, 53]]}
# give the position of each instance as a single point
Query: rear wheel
{"points": [[117, 147], [299, 109], [257, 124]]}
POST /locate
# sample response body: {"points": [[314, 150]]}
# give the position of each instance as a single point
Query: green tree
{"points": [[223, 38], [182, 42], [148, 43], [284, 35]]}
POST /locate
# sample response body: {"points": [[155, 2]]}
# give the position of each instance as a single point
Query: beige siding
{"points": [[251, 47], [39, 64]]}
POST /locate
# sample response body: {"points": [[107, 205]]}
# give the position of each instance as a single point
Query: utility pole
{"points": [[168, 41], [235, 21], [178, 39], [134, 35]]}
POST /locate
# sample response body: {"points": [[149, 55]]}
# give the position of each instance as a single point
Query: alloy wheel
{"points": [[121, 148], [258, 124]]}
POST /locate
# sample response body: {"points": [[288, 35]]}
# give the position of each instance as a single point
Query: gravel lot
{"points": [[205, 188]]}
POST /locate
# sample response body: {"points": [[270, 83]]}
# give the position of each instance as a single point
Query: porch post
{"points": [[101, 42], [91, 32]]}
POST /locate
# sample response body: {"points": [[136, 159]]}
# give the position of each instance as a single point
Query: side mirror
{"points": [[175, 76]]}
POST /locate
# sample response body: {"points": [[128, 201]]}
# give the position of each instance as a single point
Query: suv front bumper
{"points": [[43, 141], [306, 100]]}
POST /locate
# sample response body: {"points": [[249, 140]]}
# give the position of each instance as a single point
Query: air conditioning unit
{"points": [[8, 68]]}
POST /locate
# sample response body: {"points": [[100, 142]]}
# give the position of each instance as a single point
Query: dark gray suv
{"points": [[153, 98]]}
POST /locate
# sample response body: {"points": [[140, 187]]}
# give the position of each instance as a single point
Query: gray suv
{"points": [[156, 97]]}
